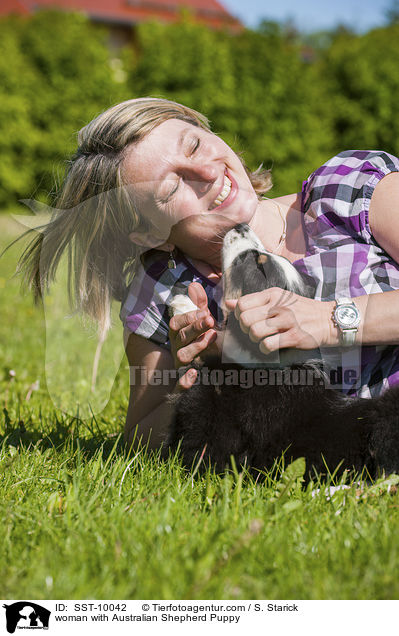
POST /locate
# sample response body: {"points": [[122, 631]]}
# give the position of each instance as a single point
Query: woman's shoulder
{"points": [[336, 197], [348, 177], [353, 162]]}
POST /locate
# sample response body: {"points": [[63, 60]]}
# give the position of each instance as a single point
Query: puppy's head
{"points": [[248, 267]]}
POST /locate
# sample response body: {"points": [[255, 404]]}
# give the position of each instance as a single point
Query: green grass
{"points": [[81, 518]]}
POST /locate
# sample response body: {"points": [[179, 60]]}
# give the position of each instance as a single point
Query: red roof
{"points": [[211, 12], [13, 6]]}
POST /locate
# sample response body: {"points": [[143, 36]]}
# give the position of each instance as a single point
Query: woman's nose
{"points": [[202, 175]]}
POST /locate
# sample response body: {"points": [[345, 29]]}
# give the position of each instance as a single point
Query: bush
{"points": [[257, 89], [55, 75], [363, 73]]}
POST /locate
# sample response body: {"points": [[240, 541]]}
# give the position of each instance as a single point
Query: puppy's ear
{"points": [[262, 258]]}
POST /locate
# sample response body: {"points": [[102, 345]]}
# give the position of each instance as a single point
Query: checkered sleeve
{"points": [[145, 310], [338, 194]]}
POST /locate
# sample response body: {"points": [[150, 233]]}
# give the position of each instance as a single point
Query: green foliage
{"points": [[283, 99], [18, 136], [55, 75], [363, 73], [281, 117]]}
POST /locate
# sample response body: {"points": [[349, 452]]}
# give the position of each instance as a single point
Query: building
{"points": [[120, 15]]}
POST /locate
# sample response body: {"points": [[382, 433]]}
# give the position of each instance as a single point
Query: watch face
{"points": [[346, 316]]}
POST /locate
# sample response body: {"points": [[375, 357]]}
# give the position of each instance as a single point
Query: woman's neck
{"points": [[212, 272], [269, 222]]}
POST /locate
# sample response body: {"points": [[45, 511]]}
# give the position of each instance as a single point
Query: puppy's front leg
{"points": [[181, 304]]}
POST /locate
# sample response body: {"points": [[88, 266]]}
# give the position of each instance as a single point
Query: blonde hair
{"points": [[101, 258]]}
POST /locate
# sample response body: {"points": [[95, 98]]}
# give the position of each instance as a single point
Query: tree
{"points": [[363, 77], [55, 75], [392, 13]]}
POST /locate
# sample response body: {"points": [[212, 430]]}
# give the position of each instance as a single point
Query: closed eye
{"points": [[196, 146], [170, 195]]}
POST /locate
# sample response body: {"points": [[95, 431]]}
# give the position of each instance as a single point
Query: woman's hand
{"points": [[277, 319], [191, 333]]}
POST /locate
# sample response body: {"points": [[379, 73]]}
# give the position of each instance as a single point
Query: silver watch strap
{"points": [[348, 337], [345, 301]]}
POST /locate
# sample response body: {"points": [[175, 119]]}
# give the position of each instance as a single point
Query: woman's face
{"points": [[180, 171]]}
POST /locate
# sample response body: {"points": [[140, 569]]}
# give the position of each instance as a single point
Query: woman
{"points": [[152, 175]]}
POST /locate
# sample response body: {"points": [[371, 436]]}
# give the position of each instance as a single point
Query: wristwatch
{"points": [[346, 317]]}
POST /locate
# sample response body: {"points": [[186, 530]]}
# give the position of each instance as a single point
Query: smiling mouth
{"points": [[224, 195]]}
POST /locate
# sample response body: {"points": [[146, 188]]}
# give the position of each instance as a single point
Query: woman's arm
{"points": [[153, 371], [384, 214], [380, 312], [277, 319], [148, 415]]}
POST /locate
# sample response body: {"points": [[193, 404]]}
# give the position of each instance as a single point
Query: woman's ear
{"points": [[148, 240]]}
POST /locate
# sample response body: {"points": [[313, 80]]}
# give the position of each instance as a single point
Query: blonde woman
{"points": [[145, 203]]}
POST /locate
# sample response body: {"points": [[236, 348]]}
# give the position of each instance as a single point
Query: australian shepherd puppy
{"points": [[255, 407]]}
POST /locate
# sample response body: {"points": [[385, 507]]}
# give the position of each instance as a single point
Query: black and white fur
{"points": [[257, 425]]}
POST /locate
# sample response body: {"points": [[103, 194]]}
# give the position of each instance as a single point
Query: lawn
{"points": [[83, 518]]}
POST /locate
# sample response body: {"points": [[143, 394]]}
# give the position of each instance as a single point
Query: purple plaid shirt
{"points": [[342, 257]]}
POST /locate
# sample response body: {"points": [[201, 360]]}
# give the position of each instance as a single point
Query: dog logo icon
{"points": [[26, 615]]}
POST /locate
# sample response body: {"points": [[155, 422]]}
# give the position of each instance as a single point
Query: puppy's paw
{"points": [[181, 304]]}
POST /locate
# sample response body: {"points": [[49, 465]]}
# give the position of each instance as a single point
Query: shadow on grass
{"points": [[72, 436]]}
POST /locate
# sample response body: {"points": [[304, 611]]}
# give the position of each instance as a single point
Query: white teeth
{"points": [[224, 193]]}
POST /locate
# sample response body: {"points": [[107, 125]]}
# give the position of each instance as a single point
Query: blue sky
{"points": [[311, 15]]}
